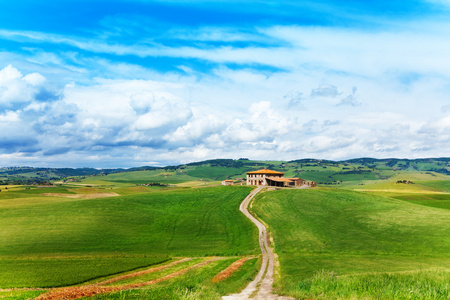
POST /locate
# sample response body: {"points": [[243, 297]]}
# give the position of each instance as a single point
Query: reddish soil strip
{"points": [[178, 273], [91, 290], [115, 279], [230, 270]]}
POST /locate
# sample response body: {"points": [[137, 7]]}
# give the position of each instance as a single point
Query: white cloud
{"points": [[9, 74], [202, 128], [325, 90], [16, 89], [34, 79], [350, 100], [10, 117]]}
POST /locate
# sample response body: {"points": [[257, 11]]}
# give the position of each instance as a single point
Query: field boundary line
{"points": [[95, 289], [233, 267], [143, 272], [175, 274]]}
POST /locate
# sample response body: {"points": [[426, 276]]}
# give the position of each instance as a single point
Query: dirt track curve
{"points": [[261, 286]]}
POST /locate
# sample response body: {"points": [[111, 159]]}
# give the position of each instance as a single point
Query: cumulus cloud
{"points": [[164, 113], [200, 129], [9, 116], [264, 124], [16, 89], [108, 114], [325, 90]]}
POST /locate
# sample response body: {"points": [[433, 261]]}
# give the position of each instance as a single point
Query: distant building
{"points": [[310, 183], [227, 182], [274, 178]]}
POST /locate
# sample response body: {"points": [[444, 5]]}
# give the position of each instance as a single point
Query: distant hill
{"points": [[29, 175], [321, 171]]}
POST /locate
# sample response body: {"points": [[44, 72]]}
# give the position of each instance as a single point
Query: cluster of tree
{"points": [[25, 181], [56, 172], [145, 168], [154, 184], [171, 168], [443, 170], [405, 181]]}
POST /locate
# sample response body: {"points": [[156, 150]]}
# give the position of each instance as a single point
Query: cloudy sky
{"points": [[123, 83]]}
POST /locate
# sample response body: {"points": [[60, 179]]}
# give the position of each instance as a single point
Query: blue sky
{"points": [[131, 83]]}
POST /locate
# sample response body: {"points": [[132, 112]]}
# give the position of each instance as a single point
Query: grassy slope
{"points": [[141, 177], [429, 189], [216, 173], [192, 222], [432, 200], [350, 233], [58, 271]]}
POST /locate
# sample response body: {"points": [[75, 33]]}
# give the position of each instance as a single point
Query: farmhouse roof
{"points": [[265, 171]]}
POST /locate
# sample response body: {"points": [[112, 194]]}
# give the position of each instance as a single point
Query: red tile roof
{"points": [[265, 171]]}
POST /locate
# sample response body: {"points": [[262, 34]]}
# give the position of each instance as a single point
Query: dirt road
{"points": [[261, 286]]}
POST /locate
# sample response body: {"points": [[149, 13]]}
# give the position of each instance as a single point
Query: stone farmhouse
{"points": [[274, 178], [227, 182]]}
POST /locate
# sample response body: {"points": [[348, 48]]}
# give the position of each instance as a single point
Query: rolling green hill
{"points": [[52, 240], [340, 244], [324, 172]]}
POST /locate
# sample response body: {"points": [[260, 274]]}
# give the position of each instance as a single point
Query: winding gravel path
{"points": [[261, 286]]}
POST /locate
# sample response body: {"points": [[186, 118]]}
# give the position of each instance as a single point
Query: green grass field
{"points": [[140, 177], [64, 271], [49, 241], [217, 173], [340, 244], [432, 200], [383, 240]]}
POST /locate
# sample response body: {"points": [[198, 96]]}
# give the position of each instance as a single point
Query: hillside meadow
{"points": [[341, 244], [62, 236]]}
